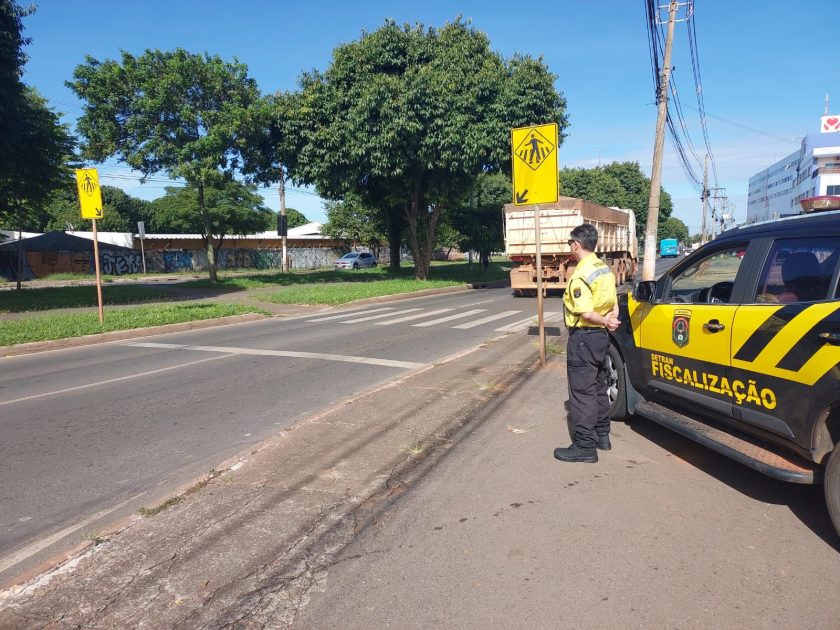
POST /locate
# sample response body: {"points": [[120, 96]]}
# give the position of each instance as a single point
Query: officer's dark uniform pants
{"points": [[586, 367]]}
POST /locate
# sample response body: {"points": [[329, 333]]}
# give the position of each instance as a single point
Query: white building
{"points": [[812, 171]]}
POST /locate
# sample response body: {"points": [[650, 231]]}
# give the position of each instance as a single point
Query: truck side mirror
{"points": [[644, 291]]}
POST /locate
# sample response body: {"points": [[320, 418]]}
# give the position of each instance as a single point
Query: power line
{"points": [[793, 140], [691, 27]]}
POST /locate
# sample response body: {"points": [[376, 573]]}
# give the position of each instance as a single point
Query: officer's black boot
{"points": [[575, 453], [604, 442]]}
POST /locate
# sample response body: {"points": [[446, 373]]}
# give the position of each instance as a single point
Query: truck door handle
{"points": [[713, 326], [830, 337]]}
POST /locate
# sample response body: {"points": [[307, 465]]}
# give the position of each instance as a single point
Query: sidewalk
{"points": [[247, 545]]}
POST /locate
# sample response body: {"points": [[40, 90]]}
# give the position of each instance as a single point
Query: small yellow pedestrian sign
{"points": [[90, 196], [534, 157]]}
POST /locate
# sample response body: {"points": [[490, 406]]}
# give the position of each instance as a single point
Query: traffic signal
{"points": [[282, 225]]}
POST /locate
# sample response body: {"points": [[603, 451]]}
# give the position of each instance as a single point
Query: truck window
{"points": [[709, 279], [798, 270]]}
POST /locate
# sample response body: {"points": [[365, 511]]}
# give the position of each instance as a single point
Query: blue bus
{"points": [[668, 247]]}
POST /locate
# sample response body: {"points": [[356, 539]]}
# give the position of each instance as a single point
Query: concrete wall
{"points": [[116, 263]]}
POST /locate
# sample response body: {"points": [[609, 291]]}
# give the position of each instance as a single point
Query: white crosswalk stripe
{"points": [[351, 313], [450, 318], [408, 318], [484, 320], [390, 317], [380, 316], [522, 324]]}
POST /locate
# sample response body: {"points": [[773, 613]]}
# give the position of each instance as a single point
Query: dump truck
{"points": [[617, 244]]}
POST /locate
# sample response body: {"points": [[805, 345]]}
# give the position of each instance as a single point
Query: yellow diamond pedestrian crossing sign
{"points": [[534, 157], [90, 195]]}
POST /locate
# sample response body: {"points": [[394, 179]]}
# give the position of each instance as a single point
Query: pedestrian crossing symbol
{"points": [[90, 195], [534, 148], [534, 156]]}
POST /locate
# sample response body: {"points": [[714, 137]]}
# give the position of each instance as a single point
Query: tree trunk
{"points": [[421, 233], [394, 241], [411, 216], [208, 234]]}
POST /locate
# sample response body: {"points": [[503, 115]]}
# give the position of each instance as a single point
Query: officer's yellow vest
{"points": [[601, 282]]}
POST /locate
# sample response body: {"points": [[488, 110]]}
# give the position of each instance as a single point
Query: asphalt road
{"points": [[91, 434]]}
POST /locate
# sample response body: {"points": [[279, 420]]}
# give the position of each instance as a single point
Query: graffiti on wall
{"points": [[118, 263], [40, 264]]}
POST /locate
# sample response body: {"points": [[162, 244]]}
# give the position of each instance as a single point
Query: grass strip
{"points": [[64, 325], [341, 293], [45, 298], [456, 272]]}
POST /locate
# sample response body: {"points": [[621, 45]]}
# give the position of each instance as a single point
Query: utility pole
{"points": [[705, 198], [282, 224], [649, 269]]}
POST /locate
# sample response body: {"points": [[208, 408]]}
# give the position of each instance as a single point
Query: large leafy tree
{"points": [[295, 218], [636, 186], [175, 112], [407, 117], [353, 220], [620, 184], [43, 164], [35, 148], [12, 60], [672, 227], [233, 208]]}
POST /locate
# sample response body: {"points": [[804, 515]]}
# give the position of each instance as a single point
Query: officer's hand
{"points": [[612, 322]]}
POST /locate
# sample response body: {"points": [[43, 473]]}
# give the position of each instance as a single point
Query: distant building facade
{"points": [[812, 171]]}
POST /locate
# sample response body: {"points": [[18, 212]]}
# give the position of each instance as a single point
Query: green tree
{"points": [[35, 148], [620, 184], [12, 90], [42, 165], [295, 218], [479, 218], [593, 184], [352, 220], [636, 186], [672, 227], [407, 117], [175, 112], [232, 209]]}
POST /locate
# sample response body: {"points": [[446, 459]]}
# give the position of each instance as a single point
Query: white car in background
{"points": [[355, 260]]}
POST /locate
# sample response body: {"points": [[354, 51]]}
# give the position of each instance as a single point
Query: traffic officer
{"points": [[591, 309]]}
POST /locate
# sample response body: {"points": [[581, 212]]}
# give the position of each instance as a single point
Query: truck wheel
{"points": [[615, 385], [832, 487], [518, 293]]}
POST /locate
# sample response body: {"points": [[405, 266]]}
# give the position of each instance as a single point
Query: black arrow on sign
{"points": [[522, 197]]}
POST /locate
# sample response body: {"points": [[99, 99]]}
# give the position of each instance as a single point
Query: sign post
{"points": [[535, 181], [90, 200], [141, 231]]}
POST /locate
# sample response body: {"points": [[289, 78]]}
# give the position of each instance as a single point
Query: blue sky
{"points": [[764, 65]]}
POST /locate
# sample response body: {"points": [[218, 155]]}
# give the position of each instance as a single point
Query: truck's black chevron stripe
{"points": [[807, 345], [764, 334]]}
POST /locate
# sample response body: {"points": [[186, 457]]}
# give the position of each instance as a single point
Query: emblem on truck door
{"points": [[680, 327]]}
